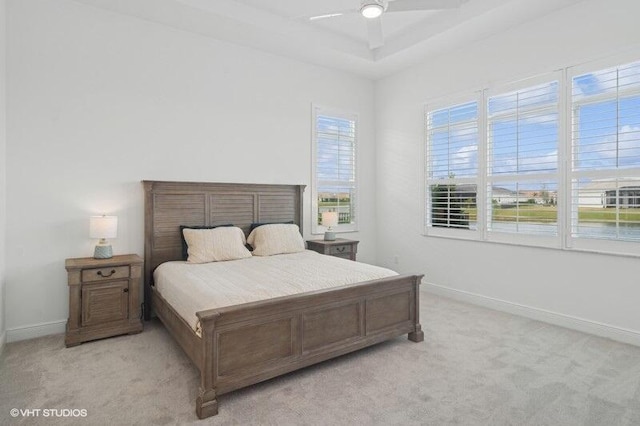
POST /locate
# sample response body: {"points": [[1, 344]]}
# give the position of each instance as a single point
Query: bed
{"points": [[240, 345]]}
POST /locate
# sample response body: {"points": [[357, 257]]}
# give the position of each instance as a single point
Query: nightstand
{"points": [[341, 247], [103, 297]]}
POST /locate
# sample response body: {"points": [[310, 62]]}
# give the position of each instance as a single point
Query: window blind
{"points": [[453, 141], [452, 166], [605, 172], [522, 160], [335, 138], [551, 161]]}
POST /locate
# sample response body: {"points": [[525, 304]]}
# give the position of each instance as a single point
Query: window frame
{"points": [[564, 172], [316, 110], [427, 228], [611, 246], [529, 239]]}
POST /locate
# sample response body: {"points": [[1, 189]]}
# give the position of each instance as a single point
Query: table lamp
{"points": [[329, 219], [103, 227]]}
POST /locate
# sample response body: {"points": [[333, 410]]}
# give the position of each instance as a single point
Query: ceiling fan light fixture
{"points": [[371, 10]]}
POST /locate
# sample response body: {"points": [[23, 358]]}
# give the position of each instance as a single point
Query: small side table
{"points": [[103, 297], [341, 247]]}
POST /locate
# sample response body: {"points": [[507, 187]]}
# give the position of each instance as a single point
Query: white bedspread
{"points": [[190, 288]]}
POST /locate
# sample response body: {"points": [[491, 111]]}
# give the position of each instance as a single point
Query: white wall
{"points": [[98, 102], [3, 163], [562, 286]]}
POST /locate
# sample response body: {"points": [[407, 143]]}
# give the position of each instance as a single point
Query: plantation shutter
{"points": [[605, 172], [335, 166], [522, 160], [452, 166]]}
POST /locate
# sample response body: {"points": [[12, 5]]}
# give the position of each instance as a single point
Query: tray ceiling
{"points": [[281, 27]]}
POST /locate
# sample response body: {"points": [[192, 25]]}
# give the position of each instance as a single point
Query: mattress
{"points": [[190, 288]]}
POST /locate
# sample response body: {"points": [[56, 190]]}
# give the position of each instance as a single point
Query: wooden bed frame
{"points": [[246, 344]]}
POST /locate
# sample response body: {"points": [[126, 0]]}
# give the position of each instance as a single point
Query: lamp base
{"points": [[103, 252], [329, 236]]}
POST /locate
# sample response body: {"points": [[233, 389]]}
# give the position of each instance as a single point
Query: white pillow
{"points": [[217, 244], [280, 238]]}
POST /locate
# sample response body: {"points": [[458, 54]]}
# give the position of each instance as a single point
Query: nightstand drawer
{"points": [[109, 273], [340, 249], [343, 256]]}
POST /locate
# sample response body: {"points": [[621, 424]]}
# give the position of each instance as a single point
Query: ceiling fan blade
{"points": [[374, 28], [408, 5], [325, 16], [330, 14]]}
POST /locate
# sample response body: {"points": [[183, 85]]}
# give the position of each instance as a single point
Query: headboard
{"points": [[171, 204]]}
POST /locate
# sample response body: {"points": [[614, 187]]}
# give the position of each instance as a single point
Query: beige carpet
{"points": [[476, 367]]}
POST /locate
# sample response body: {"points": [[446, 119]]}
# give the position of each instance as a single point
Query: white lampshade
{"points": [[103, 226], [329, 219]]}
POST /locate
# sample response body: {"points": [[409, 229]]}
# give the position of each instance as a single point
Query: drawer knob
{"points": [[125, 290], [340, 249], [113, 271]]}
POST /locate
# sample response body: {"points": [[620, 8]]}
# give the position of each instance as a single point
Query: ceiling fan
{"points": [[372, 11]]}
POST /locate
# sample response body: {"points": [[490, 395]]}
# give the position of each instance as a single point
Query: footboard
{"points": [[246, 344]]}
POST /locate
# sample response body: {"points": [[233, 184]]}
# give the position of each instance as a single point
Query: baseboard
{"points": [[36, 330], [580, 324]]}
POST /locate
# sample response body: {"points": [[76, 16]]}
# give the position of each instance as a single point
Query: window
{"points": [[452, 166], [522, 160], [552, 161], [605, 167], [334, 168]]}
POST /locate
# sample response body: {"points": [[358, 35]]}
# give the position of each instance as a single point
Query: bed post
{"points": [[300, 207], [148, 238], [417, 335], [206, 402]]}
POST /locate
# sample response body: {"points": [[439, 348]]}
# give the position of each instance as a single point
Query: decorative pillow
{"points": [[214, 245], [184, 242], [271, 239]]}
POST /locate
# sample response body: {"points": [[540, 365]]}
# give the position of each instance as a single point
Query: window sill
{"points": [[633, 251]]}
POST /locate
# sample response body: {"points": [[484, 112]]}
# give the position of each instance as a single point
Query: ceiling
{"points": [[282, 27]]}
